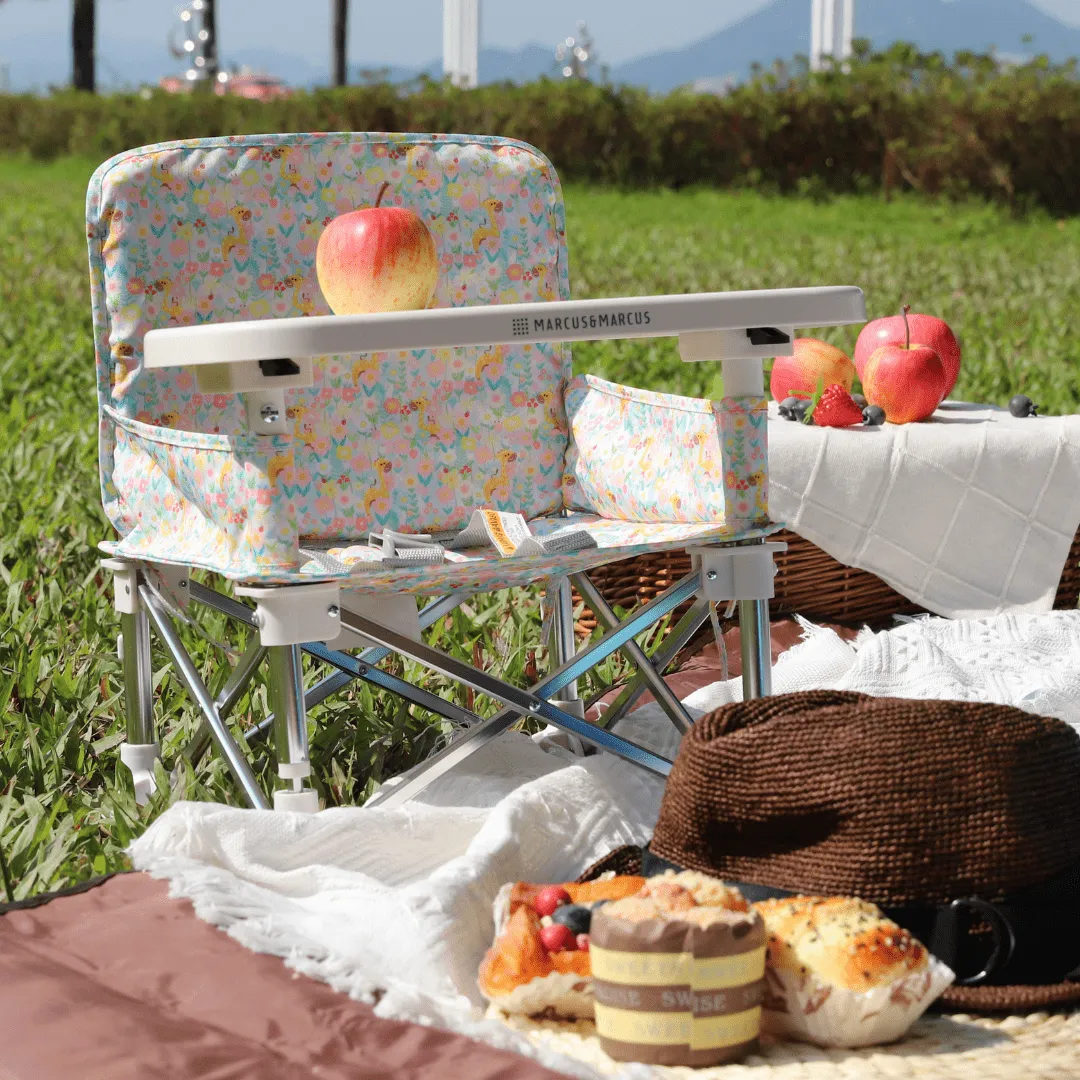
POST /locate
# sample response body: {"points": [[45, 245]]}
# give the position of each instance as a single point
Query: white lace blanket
{"points": [[399, 901]]}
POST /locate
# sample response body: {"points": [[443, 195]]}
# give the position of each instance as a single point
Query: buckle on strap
{"points": [[945, 940]]}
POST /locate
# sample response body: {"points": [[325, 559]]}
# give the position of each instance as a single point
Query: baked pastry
{"points": [[839, 973], [678, 981], [539, 963]]}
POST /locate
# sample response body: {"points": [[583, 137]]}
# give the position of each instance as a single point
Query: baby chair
{"points": [[335, 468]]}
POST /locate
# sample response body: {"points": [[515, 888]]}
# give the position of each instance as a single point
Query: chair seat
{"points": [[485, 569]]}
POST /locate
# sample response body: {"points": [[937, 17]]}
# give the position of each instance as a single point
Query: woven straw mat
{"points": [[1041, 1046]]}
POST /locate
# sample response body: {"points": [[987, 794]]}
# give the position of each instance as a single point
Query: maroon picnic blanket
{"points": [[120, 982]]}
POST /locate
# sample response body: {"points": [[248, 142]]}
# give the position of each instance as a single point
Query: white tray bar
{"points": [[502, 324]]}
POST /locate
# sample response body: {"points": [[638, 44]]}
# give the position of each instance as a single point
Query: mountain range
{"points": [[779, 30], [783, 30]]}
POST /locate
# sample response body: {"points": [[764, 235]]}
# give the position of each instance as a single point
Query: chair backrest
{"points": [[226, 229]]}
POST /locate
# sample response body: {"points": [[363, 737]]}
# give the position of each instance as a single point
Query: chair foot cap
{"points": [[297, 802]]}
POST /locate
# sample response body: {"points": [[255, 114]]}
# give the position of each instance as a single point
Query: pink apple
{"points": [[381, 258], [905, 379], [925, 330], [813, 362]]}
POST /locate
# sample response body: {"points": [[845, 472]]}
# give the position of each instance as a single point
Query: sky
{"points": [[408, 32]]}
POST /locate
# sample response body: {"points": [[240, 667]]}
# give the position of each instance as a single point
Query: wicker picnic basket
{"points": [[808, 583]]}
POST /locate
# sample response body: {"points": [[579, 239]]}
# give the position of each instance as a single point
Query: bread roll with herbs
{"points": [[839, 973]]}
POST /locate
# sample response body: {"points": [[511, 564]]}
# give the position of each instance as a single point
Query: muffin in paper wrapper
{"points": [[678, 988], [840, 974]]}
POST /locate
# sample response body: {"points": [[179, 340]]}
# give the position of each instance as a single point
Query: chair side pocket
{"points": [[199, 499]]}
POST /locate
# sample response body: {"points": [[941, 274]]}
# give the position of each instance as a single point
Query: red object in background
{"points": [[246, 84]]}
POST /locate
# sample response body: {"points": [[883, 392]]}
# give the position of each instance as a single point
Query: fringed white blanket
{"points": [[394, 906]]}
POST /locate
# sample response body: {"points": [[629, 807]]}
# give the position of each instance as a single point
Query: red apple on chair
{"points": [[813, 362], [381, 258], [925, 330], [904, 379]]}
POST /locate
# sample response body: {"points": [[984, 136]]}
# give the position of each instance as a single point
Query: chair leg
{"points": [[565, 648], [673, 644], [189, 675], [563, 628], [290, 729], [755, 645], [664, 695], [744, 572], [141, 750]]}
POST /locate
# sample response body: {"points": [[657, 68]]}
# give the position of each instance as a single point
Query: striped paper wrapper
{"points": [[673, 993]]}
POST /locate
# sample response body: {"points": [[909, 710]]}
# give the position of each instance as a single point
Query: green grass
{"points": [[1009, 287]]}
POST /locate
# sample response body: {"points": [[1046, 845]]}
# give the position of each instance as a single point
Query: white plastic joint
{"points": [[699, 345], [125, 585], [297, 802], [294, 770], [173, 582], [741, 360], [293, 614], [140, 759], [393, 611], [736, 573]]}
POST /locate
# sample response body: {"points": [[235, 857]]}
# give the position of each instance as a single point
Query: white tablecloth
{"points": [[971, 513]]}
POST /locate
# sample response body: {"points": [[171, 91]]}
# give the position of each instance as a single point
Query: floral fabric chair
{"points": [[374, 443]]}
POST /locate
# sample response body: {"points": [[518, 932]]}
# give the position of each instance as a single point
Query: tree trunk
{"points": [[82, 46], [340, 39], [209, 22]]}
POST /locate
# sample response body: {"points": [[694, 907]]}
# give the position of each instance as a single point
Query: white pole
{"points": [[848, 31], [832, 28], [817, 13], [828, 28], [461, 41]]}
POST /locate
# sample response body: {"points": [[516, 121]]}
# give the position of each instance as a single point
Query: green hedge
{"points": [[895, 120]]}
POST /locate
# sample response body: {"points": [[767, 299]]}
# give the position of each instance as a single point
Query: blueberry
{"points": [[873, 415], [859, 400], [575, 916], [1021, 405], [800, 409]]}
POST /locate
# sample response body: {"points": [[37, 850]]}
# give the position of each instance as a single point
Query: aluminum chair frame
{"points": [[291, 700]]}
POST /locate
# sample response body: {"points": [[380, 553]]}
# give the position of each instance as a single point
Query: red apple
{"points": [[925, 330], [813, 362], [904, 379], [381, 258]]}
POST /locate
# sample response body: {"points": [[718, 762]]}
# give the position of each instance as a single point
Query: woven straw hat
{"points": [[960, 819]]}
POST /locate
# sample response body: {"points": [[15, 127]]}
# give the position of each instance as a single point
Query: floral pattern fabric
{"points": [[226, 229], [487, 570], [641, 456], [209, 506]]}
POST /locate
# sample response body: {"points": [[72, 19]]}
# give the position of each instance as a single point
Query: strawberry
{"points": [[557, 938], [549, 898], [836, 408]]}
